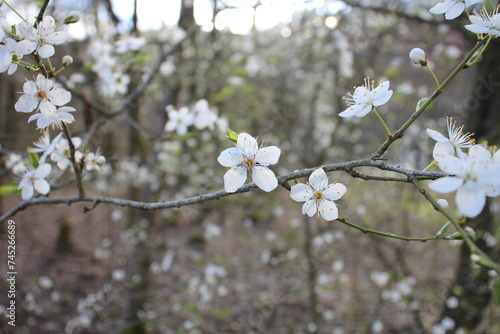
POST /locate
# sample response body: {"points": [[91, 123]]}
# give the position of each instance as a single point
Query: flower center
{"points": [[249, 162], [318, 195], [41, 94]]}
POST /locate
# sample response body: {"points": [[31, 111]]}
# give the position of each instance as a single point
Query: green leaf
{"points": [[443, 229], [233, 136], [421, 103], [34, 159], [9, 189]]}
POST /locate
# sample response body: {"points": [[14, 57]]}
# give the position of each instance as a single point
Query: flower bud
{"points": [[418, 56], [72, 17], [443, 203], [67, 60]]}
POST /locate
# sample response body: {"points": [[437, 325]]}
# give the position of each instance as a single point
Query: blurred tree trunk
{"points": [[471, 286]]}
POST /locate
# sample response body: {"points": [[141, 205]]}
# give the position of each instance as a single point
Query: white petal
{"points": [[247, 144], [26, 47], [234, 179], [301, 192], [230, 157], [264, 178], [477, 29], [334, 191], [318, 180], [27, 192], [470, 203], [382, 98], [364, 111], [437, 136], [46, 50], [42, 171], [328, 210], [268, 155], [443, 150], [446, 184], [59, 96], [469, 3], [455, 11], [309, 208], [42, 186], [351, 111]]}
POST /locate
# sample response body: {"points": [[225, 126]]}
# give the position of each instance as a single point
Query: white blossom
{"points": [[366, 97], [53, 118], [9, 56], [247, 156], [485, 23], [179, 121], [62, 152], [42, 95], [318, 195], [42, 38], [474, 176], [452, 8], [34, 179], [456, 140]]}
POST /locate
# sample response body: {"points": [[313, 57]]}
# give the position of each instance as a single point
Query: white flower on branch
{"points": [[94, 161], [62, 152], [456, 141], [475, 176], [485, 23], [42, 95], [42, 38], [247, 156], [53, 118], [452, 8], [366, 97], [318, 195], [10, 54], [34, 179], [179, 121]]}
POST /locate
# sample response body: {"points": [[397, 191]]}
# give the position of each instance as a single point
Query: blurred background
{"points": [[249, 263]]}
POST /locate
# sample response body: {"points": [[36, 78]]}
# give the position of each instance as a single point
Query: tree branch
{"points": [[348, 166]]}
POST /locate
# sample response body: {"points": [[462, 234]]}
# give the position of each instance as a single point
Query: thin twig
{"points": [[384, 234]]}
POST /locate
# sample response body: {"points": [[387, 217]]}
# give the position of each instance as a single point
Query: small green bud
{"points": [[72, 17]]}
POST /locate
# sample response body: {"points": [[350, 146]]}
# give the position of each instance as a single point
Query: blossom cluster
{"points": [[43, 97], [200, 115], [108, 63], [23, 38], [58, 150]]}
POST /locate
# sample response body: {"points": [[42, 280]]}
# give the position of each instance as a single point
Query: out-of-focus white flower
{"points": [[34, 179], [247, 156], [129, 44], [485, 23], [94, 160], [318, 195], [62, 152], [366, 97], [452, 8], [45, 146], [179, 120]]}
